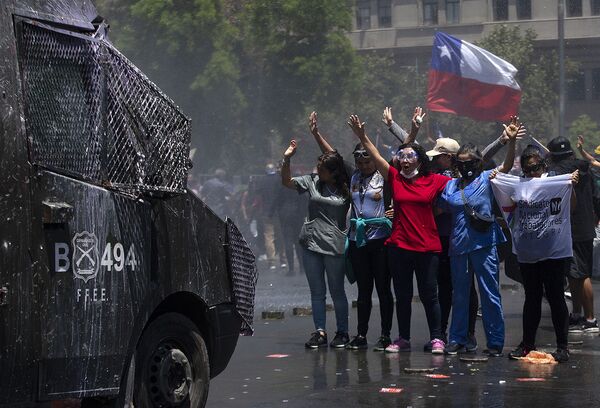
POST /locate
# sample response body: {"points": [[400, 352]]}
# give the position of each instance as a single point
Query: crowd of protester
{"points": [[448, 216], [435, 215]]}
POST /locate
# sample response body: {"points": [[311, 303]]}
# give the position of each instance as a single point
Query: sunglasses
{"points": [[533, 168], [361, 154]]}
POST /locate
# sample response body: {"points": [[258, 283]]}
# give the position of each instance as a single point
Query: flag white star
{"points": [[444, 52]]}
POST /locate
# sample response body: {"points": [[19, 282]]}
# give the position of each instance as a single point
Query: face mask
{"points": [[410, 175], [469, 169]]}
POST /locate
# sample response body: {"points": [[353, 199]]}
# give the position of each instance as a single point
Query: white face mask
{"points": [[410, 175]]}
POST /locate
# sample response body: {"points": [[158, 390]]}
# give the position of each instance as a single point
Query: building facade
{"points": [[407, 27]]}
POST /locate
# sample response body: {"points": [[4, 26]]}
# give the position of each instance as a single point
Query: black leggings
{"points": [[444, 280], [370, 267], [402, 263], [545, 275]]}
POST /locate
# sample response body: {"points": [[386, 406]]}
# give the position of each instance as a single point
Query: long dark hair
{"points": [[423, 159], [532, 151], [334, 163]]}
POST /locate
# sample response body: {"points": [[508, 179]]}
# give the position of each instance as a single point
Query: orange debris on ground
{"points": [[539, 357]]}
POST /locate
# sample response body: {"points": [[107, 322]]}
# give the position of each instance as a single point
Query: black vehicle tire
{"points": [[172, 366]]}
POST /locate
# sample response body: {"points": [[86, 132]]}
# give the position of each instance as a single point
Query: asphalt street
{"points": [[273, 369]]}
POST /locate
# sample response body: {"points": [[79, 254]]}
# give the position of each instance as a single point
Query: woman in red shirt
{"points": [[414, 244]]}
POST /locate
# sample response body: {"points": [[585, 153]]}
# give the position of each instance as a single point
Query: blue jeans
{"points": [[484, 264], [316, 266]]}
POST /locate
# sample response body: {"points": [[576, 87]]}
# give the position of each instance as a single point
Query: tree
{"points": [[297, 59], [247, 71], [585, 126], [188, 49]]}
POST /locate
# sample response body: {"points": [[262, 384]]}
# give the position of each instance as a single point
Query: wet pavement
{"points": [[272, 369]]}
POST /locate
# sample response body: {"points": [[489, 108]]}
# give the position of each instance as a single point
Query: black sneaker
{"points": [[519, 352], [358, 343], [561, 355], [590, 327], [454, 348], [340, 340], [382, 343], [493, 352], [471, 346], [318, 339], [575, 324]]}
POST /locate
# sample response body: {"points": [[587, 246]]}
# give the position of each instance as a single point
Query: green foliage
{"points": [[249, 72], [585, 126]]}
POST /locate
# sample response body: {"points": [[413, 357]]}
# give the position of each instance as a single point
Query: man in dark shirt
{"points": [[563, 161]]}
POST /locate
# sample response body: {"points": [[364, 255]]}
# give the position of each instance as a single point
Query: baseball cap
{"points": [[559, 146], [444, 145]]}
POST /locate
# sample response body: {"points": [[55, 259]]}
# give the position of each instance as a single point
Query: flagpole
{"points": [[561, 67]]}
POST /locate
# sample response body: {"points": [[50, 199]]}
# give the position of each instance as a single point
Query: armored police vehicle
{"points": [[118, 287]]}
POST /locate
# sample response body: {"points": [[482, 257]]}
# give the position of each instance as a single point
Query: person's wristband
{"points": [[285, 160]]}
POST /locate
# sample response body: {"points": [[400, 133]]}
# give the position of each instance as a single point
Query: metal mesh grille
{"points": [[242, 265], [92, 114], [64, 96]]}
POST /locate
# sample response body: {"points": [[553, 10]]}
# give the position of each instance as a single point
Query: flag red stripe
{"points": [[468, 97]]}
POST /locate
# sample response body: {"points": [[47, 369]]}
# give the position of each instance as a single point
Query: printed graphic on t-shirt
{"points": [[538, 214]]}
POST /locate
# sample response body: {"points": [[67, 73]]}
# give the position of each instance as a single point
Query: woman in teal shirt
{"points": [[323, 239]]}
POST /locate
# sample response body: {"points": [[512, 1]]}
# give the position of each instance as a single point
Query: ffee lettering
{"points": [[91, 295]]}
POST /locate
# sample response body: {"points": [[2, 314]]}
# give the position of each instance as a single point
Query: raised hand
{"points": [[575, 177], [418, 117], [580, 142], [512, 130], [357, 126], [291, 150], [313, 124], [521, 133], [387, 116]]}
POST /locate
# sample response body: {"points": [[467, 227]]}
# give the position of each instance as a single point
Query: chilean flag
{"points": [[469, 81]]}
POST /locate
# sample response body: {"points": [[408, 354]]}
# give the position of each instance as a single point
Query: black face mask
{"points": [[469, 169]]}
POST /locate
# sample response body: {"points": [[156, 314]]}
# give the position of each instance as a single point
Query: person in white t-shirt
{"points": [[538, 213]]}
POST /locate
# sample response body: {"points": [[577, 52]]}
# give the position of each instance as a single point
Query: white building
{"points": [[408, 27]]}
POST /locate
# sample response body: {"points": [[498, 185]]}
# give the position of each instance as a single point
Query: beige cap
{"points": [[444, 145]]}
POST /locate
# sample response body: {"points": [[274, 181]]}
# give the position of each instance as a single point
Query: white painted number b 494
{"points": [[84, 262]]}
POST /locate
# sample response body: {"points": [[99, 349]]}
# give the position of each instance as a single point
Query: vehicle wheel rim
{"points": [[170, 377]]}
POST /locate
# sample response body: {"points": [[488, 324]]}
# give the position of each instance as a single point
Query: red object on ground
{"points": [[391, 390], [437, 376]]}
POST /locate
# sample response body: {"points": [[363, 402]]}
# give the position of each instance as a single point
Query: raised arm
{"points": [[490, 150], [286, 173], [397, 130], [512, 130], [358, 128], [585, 154], [314, 130], [417, 120], [394, 128]]}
